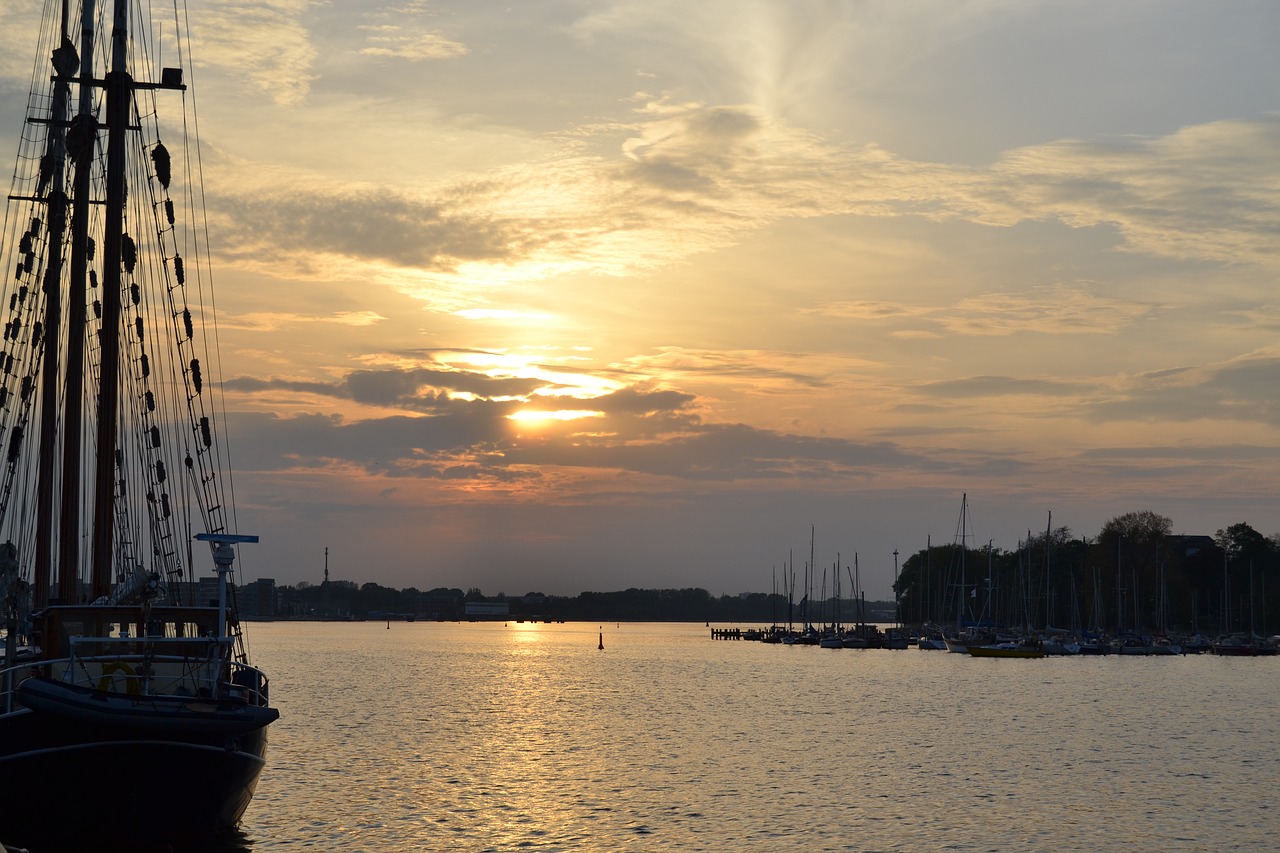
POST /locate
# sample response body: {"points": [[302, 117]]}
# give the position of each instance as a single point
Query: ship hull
{"points": [[121, 786]]}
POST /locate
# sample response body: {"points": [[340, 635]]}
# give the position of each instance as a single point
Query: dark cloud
{"points": [[641, 436], [251, 385], [634, 402], [376, 225], [415, 389]]}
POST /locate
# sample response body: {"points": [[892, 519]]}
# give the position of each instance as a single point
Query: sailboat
{"points": [[963, 636], [129, 708]]}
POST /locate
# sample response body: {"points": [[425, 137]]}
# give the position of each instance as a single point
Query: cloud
{"points": [[473, 441], [690, 178], [412, 390], [1241, 389], [399, 30], [23, 20], [305, 228], [971, 387], [1042, 310], [1207, 192], [1053, 309], [456, 426], [276, 320], [269, 47]]}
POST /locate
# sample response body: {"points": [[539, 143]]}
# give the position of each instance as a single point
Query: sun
{"points": [[537, 417]]}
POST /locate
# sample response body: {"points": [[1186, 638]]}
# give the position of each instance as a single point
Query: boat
{"points": [[1058, 645], [1130, 646], [966, 631], [130, 712], [1006, 650], [1164, 646], [1235, 645], [1094, 646], [894, 640]]}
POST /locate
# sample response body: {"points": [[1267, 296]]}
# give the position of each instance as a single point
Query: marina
{"points": [[897, 639]]}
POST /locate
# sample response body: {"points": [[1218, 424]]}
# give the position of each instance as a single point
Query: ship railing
{"points": [[145, 666], [10, 678], [248, 683], [164, 666]]}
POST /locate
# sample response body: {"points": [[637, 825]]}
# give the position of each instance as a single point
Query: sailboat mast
{"points": [[810, 569], [964, 510], [56, 217], [85, 133], [1048, 536], [119, 88]]}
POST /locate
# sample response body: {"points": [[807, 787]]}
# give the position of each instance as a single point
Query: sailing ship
{"points": [[129, 708]]}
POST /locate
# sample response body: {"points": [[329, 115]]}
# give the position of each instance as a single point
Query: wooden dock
{"points": [[736, 634]]}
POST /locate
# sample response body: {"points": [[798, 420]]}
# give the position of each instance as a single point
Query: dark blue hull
{"points": [[112, 787]]}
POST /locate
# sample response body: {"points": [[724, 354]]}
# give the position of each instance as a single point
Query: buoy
{"points": [[602, 638]]}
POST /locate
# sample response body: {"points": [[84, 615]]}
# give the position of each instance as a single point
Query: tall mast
{"points": [[119, 88], [56, 217], [964, 509], [1048, 535], [85, 134]]}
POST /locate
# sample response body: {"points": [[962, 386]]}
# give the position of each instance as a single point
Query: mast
{"points": [[964, 509], [84, 133], [928, 578], [810, 575], [56, 217], [835, 588], [862, 601], [789, 580], [1048, 535], [119, 88]]}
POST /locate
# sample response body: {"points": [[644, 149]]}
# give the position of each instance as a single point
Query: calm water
{"points": [[483, 737]]}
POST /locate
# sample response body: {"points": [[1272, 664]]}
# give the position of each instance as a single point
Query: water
{"points": [[485, 737]]}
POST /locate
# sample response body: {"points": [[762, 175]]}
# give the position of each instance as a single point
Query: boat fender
{"points": [[130, 677]]}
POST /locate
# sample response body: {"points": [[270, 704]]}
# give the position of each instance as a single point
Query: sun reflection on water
{"points": [[529, 736]]}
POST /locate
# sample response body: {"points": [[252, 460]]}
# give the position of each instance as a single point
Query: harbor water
{"points": [[518, 737]]}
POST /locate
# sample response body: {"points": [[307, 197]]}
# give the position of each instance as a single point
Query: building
{"points": [[257, 600], [476, 610]]}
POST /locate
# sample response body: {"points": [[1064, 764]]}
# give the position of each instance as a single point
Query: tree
{"points": [[1144, 529], [1250, 581], [1242, 542], [1134, 546]]}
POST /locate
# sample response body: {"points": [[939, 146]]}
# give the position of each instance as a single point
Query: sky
{"points": [[560, 296]]}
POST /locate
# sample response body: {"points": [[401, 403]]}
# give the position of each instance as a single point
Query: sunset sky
{"points": [[567, 296]]}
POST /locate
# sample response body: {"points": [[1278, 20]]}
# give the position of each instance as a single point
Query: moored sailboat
{"points": [[129, 710], [1006, 650]]}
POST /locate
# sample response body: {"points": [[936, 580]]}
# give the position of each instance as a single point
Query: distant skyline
{"points": [[582, 296]]}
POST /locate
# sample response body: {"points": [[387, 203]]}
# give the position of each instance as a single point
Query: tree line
{"points": [[1135, 576], [344, 599]]}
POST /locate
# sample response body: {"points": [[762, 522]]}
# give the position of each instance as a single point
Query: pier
{"points": [[737, 634]]}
